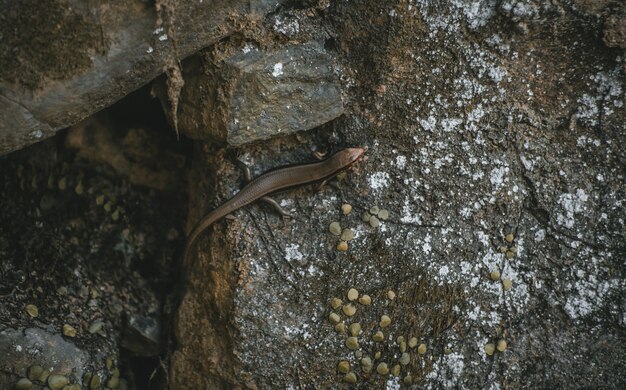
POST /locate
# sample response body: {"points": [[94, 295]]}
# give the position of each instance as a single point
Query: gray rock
{"points": [[62, 62], [256, 95], [141, 336], [22, 348]]}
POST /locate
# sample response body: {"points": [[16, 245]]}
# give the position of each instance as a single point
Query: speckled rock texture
{"points": [[63, 60], [256, 94], [495, 133], [486, 233]]}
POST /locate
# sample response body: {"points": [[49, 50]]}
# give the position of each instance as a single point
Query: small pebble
{"points": [[384, 321], [374, 210], [358, 354], [23, 384], [334, 318], [501, 345], [447, 351], [343, 367], [80, 188], [355, 329], [335, 303], [400, 339], [403, 346], [62, 290], [383, 214], [366, 217], [503, 249], [340, 328], [34, 372], [56, 382], [391, 295], [405, 359], [347, 234], [365, 300], [495, 275], [395, 371], [335, 228], [350, 377], [509, 254], [342, 246], [378, 336], [353, 294], [63, 184], [32, 310], [374, 222], [113, 383], [413, 342], [100, 200], [513, 249], [408, 380], [44, 376], [377, 355], [352, 343], [95, 382], [421, 349], [349, 309], [95, 327], [507, 284], [366, 365], [382, 369], [490, 349], [509, 238], [69, 331], [116, 214], [346, 208]]}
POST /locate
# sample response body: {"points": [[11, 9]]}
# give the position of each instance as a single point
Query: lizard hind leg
{"points": [[247, 177]]}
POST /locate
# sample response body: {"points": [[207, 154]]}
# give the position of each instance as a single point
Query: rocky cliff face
{"points": [[480, 244]]}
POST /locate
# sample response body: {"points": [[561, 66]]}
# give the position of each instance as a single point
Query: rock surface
{"points": [[495, 148], [68, 59], [258, 94], [486, 233]]}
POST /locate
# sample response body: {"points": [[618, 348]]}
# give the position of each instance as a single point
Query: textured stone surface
{"points": [[22, 348], [256, 94], [493, 147], [66, 59]]}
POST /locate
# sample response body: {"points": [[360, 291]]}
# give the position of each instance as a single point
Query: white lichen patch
{"points": [[378, 180], [571, 204], [446, 371], [277, 70], [292, 252]]}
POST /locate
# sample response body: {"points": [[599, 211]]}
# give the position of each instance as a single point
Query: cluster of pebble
{"points": [[355, 335], [372, 217], [37, 375], [509, 250]]}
